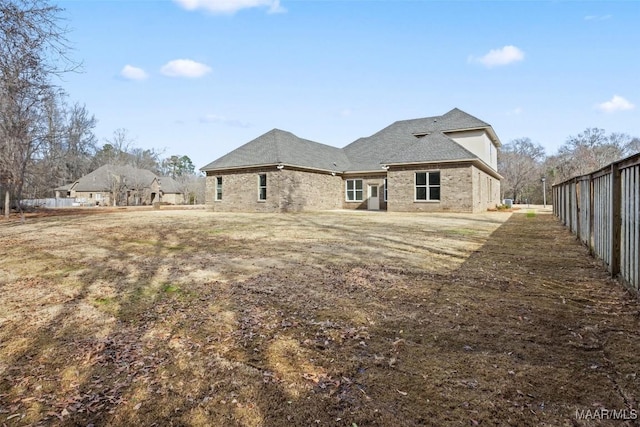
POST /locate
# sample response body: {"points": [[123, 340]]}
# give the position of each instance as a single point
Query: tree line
{"points": [[523, 163], [45, 140]]}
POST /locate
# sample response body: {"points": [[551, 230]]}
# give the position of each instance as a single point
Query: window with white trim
{"points": [[354, 190], [385, 189], [218, 188], [262, 186], [427, 186]]}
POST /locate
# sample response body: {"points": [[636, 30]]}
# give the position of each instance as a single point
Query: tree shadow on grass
{"points": [[504, 338]]}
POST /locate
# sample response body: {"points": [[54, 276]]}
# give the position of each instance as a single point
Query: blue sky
{"points": [[202, 77]]}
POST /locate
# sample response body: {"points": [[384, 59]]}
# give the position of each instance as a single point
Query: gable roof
{"points": [[422, 140], [416, 140], [282, 147], [101, 178], [169, 185]]}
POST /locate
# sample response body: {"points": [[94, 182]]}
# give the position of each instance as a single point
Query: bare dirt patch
{"points": [[338, 318]]}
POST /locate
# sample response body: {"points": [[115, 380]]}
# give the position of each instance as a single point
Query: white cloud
{"points": [[498, 57], [346, 112], [617, 103], [515, 112], [597, 17], [184, 68], [214, 118], [130, 72], [230, 6]]}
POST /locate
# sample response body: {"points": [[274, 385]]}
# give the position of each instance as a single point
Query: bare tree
{"points": [[79, 142], [120, 150], [519, 162], [33, 49], [66, 151], [589, 151], [145, 159]]}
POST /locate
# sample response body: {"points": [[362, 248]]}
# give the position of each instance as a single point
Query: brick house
{"points": [[122, 185], [434, 164]]}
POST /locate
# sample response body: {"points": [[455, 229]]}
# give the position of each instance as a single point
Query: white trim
{"points": [[354, 190], [426, 186], [384, 189], [260, 187], [215, 194], [373, 203]]}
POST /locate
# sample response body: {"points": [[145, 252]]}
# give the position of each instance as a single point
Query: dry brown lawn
{"points": [[143, 317]]}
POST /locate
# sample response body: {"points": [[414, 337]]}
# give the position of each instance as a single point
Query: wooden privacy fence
{"points": [[603, 210]]}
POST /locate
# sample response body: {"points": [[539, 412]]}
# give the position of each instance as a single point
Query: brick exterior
{"points": [[463, 188], [367, 180], [288, 190], [455, 189], [486, 190]]}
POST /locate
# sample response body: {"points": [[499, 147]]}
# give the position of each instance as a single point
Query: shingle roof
{"points": [[405, 141], [278, 146], [416, 140], [65, 187], [101, 178], [169, 185]]}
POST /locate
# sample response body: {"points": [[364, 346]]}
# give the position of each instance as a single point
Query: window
{"points": [[218, 188], [385, 189], [262, 187], [427, 186], [354, 190]]}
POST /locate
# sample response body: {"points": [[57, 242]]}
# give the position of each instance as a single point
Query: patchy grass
{"points": [[335, 319]]}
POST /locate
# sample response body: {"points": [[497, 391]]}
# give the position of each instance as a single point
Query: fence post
{"points": [[578, 208], [592, 241], [616, 219]]}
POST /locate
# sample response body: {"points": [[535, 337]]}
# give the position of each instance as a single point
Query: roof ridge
{"points": [[276, 143]]}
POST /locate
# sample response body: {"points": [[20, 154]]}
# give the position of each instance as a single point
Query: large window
{"points": [[218, 188], [427, 186], [354, 190], [262, 187]]}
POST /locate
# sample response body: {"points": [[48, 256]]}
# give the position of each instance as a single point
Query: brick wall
{"points": [[456, 193], [288, 190], [463, 188], [486, 190], [367, 180]]}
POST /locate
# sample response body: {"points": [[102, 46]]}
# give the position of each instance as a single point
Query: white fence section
{"points": [[51, 202], [603, 210]]}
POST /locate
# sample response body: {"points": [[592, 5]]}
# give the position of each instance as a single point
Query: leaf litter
{"points": [[283, 331]]}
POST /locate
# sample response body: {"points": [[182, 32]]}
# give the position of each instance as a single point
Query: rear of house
{"points": [[434, 164]]}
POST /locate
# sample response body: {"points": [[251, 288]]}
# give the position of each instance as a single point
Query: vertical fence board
{"points": [[603, 210], [634, 236]]}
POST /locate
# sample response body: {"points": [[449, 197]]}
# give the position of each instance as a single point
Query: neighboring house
{"points": [[172, 192], [433, 164], [122, 185]]}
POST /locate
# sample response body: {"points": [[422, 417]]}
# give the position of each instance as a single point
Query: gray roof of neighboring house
{"points": [[65, 187], [278, 146], [406, 141], [169, 185], [101, 178]]}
